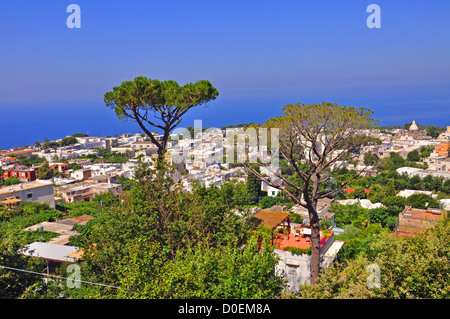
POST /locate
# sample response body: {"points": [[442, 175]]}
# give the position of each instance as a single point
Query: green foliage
{"points": [[105, 155], [413, 156], [389, 183], [361, 217], [425, 151], [13, 237], [141, 99], [422, 201], [240, 125], [45, 172], [126, 183], [325, 223], [81, 208], [269, 201], [69, 140], [433, 183], [298, 251], [32, 160], [357, 240], [370, 159], [296, 218], [39, 235], [204, 272], [253, 187], [395, 161], [434, 131], [345, 214], [410, 268], [10, 181], [106, 198], [163, 243], [74, 166], [446, 186], [394, 204]]}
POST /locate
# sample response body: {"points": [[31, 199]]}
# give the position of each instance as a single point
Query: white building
{"points": [[271, 191], [35, 191], [296, 268], [412, 171], [408, 192]]}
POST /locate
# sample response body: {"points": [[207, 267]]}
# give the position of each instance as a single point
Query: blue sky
{"points": [[260, 55]]}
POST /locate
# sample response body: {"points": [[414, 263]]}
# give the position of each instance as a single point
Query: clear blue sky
{"points": [[260, 55]]}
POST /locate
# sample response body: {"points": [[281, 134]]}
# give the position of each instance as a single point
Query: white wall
{"points": [[43, 193], [295, 268]]}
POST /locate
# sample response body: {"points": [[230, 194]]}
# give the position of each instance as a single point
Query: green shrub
{"points": [[297, 250]]}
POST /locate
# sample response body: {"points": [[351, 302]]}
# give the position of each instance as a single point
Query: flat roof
{"points": [[17, 152], [23, 186], [431, 213], [54, 252], [331, 253]]}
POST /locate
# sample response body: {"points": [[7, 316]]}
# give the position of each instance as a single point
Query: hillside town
{"points": [[79, 171], [78, 168]]}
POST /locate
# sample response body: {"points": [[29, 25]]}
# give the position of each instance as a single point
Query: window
{"points": [[29, 195]]}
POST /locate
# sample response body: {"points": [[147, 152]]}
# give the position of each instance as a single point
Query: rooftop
{"points": [[18, 152], [430, 213], [54, 252], [24, 186], [298, 240], [64, 227]]}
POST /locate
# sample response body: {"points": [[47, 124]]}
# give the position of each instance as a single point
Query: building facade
{"points": [[35, 191]]}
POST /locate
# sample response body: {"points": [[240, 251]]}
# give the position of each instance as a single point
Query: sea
{"points": [[24, 124]]}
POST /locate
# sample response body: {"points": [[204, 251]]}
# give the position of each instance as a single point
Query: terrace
{"points": [[299, 236], [287, 236]]}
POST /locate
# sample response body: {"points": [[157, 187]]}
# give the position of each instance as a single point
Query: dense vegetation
{"points": [[168, 243], [13, 237], [409, 267]]}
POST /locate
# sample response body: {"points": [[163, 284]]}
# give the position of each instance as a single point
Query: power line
{"points": [[59, 277]]}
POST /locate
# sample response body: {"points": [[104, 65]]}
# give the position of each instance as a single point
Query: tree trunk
{"points": [[315, 245]]}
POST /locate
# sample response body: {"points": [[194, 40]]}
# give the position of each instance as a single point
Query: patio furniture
{"points": [[306, 232]]}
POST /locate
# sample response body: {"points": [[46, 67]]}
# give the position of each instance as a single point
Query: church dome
{"points": [[413, 126]]}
